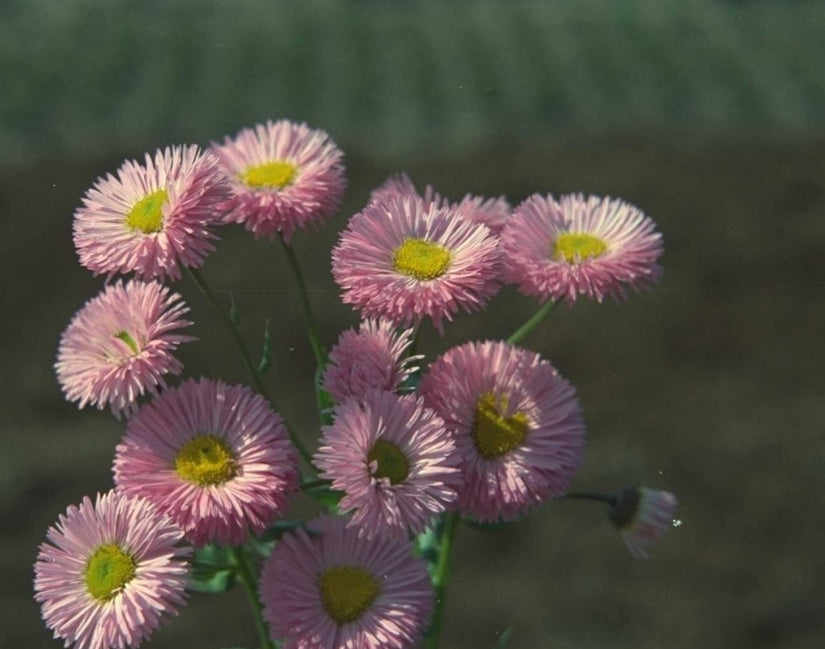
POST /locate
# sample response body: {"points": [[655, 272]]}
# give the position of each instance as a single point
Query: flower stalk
{"points": [[528, 326], [246, 575], [306, 308], [254, 372], [441, 576]]}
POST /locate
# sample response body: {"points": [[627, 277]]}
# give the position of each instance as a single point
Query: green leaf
{"points": [[329, 498], [213, 570], [211, 581], [214, 555], [266, 354], [504, 638], [323, 399], [234, 314], [275, 531]]}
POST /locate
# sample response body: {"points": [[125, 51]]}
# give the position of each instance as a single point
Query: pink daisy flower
{"points": [[331, 589], [642, 515], [284, 176], [518, 426], [492, 212], [403, 261], [109, 571], [372, 357], [393, 459], [594, 247], [214, 457], [152, 218], [120, 345]]}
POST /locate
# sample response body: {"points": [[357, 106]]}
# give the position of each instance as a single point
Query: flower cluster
{"points": [[408, 445]]}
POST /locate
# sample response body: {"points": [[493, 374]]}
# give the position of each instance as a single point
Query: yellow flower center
{"points": [[270, 174], [421, 259], [108, 571], [147, 214], [347, 592], [206, 460], [493, 433], [392, 463], [574, 247]]}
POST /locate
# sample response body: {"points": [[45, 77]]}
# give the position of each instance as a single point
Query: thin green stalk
{"points": [[314, 484], [590, 495], [257, 379], [528, 326], [441, 577], [247, 578], [309, 319]]}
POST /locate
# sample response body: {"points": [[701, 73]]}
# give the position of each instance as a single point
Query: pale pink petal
{"points": [[120, 345], [313, 194], [133, 612], [528, 243], [380, 506], [195, 185], [266, 472], [292, 597], [502, 487]]}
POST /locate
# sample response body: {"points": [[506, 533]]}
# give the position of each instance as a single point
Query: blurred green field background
{"points": [[708, 115]]}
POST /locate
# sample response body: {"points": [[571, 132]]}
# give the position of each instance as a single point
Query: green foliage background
{"points": [[708, 115]]}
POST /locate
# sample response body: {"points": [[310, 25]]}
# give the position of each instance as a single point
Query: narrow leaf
{"points": [[234, 314], [323, 399], [504, 638], [266, 354]]}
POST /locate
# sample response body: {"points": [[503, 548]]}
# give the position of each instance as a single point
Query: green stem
{"points": [[247, 578], [528, 326], [313, 484], [441, 577], [590, 495], [309, 320], [257, 379]]}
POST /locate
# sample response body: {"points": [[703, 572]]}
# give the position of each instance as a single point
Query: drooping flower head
{"points": [[109, 572], [594, 247], [393, 459], [492, 212], [642, 515], [284, 176], [152, 218], [214, 457], [403, 261], [331, 589], [120, 345], [517, 423], [374, 357]]}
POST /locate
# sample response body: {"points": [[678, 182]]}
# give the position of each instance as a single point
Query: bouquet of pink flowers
{"points": [[408, 447]]}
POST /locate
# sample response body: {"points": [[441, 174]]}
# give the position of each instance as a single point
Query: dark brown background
{"points": [[708, 115]]}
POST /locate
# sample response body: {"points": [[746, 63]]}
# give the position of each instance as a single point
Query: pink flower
{"points": [[594, 247], [213, 457], [517, 423], [492, 212], [372, 357], [330, 589], [109, 571], [284, 176], [393, 459], [642, 515], [403, 261], [153, 217], [120, 345]]}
